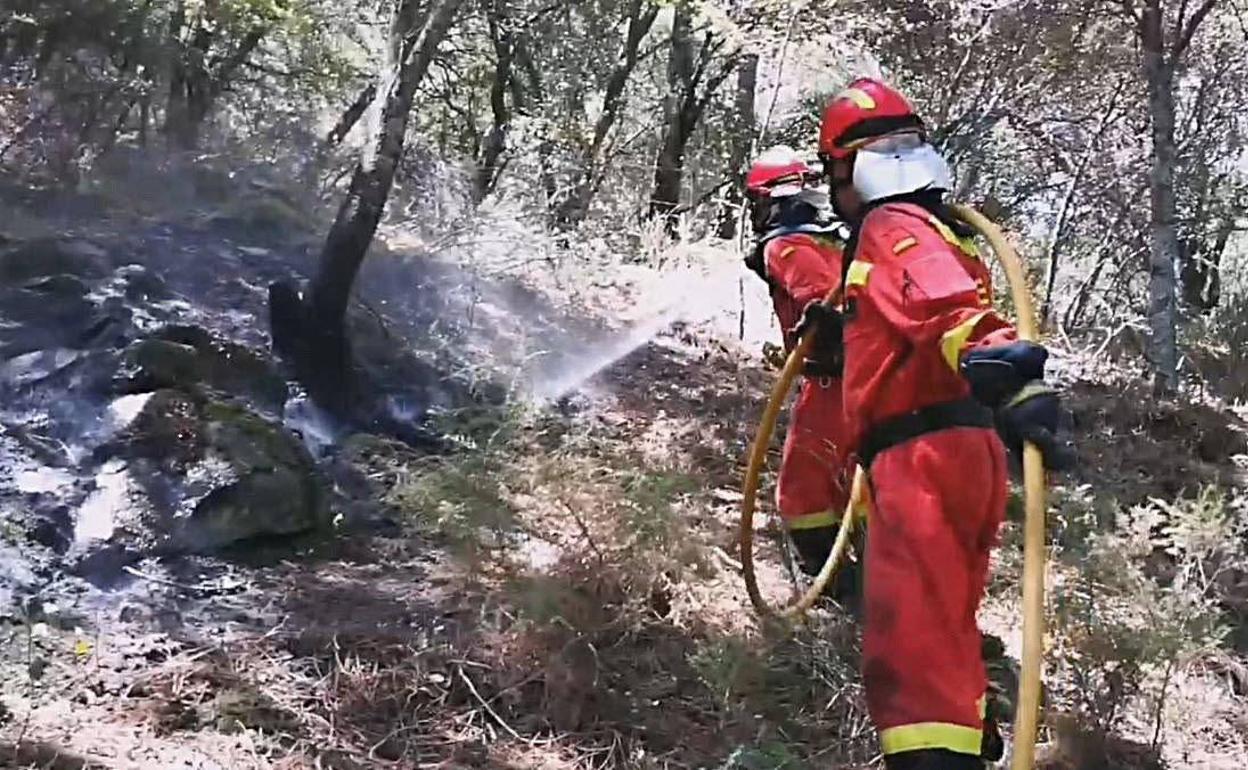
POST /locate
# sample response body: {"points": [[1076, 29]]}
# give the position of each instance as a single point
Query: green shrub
{"points": [[1137, 603]]}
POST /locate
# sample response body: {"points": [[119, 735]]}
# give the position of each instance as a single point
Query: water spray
{"points": [[1028, 711], [681, 297]]}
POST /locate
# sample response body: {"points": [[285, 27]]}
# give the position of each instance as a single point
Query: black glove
{"points": [[1009, 379], [828, 326], [997, 373], [1032, 415]]}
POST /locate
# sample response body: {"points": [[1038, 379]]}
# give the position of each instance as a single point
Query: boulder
{"points": [[141, 285], [192, 359], [259, 213], [57, 317], [42, 257], [216, 474]]}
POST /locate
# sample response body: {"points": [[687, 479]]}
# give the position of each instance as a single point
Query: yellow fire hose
{"points": [[1027, 714]]}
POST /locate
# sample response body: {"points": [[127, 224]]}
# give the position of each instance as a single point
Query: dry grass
{"points": [[565, 597]]}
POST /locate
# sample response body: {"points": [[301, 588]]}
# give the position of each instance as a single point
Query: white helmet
{"points": [[899, 164]]}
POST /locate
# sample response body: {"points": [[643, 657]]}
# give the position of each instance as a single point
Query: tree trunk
{"points": [[198, 77], [175, 106], [145, 118], [669, 166], [503, 37], [1162, 310], [572, 209], [351, 115], [327, 370], [692, 83], [742, 145], [1201, 272]]}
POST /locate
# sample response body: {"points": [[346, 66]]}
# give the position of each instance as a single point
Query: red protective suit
{"points": [[813, 486], [918, 298]]}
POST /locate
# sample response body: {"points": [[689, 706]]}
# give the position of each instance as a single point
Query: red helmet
{"points": [[867, 109], [778, 172]]}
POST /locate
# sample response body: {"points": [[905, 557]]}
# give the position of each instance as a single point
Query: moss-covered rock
{"points": [[190, 358], [259, 211], [30, 260], [218, 474]]}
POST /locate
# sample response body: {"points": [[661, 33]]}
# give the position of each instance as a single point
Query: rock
{"points": [[168, 430], [36, 366], [278, 490], [218, 474], [156, 363], [39, 320], [259, 212], [237, 709], [60, 285], [190, 358], [103, 567], [141, 285], [52, 529], [17, 578], [51, 256]]}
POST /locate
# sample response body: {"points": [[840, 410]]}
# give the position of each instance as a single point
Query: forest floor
{"points": [[562, 593]]}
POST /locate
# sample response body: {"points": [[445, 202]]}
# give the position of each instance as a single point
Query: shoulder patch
{"points": [[905, 243]]}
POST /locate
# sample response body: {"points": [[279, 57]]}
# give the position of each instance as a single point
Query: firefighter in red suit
{"points": [[800, 258], [934, 379]]}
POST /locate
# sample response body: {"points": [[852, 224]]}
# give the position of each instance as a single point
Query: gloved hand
{"points": [[822, 316], [828, 325], [1032, 415], [997, 373]]}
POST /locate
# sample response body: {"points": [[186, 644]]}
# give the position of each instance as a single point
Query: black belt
{"points": [[814, 367], [965, 413]]}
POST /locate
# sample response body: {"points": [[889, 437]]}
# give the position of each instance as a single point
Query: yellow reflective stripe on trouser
{"points": [[952, 341], [857, 273], [814, 520], [932, 735]]}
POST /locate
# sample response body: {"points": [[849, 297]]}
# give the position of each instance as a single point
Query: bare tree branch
{"points": [[1180, 45]]}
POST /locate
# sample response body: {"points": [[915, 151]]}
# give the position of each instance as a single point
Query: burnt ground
{"points": [[1134, 447], [562, 593], [600, 623]]}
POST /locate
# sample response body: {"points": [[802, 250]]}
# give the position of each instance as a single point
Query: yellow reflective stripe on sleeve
{"points": [[814, 520], [943, 229], [787, 251], [857, 273], [931, 735], [966, 246], [905, 243], [952, 341]]}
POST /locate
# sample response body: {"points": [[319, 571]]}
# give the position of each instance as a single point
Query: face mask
{"points": [[807, 207], [816, 199]]}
